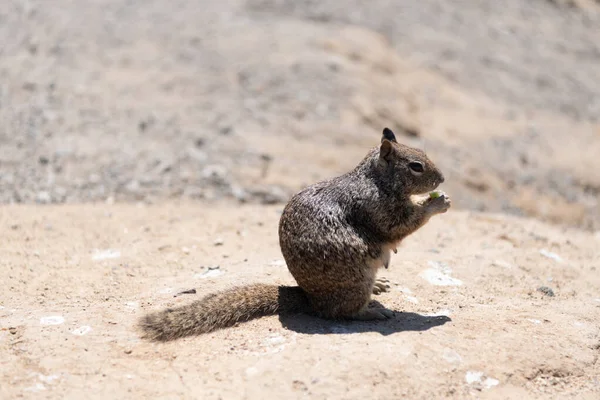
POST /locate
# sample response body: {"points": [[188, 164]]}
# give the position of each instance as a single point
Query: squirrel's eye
{"points": [[416, 166]]}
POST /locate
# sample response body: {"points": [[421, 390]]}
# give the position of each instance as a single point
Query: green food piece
{"points": [[434, 195]]}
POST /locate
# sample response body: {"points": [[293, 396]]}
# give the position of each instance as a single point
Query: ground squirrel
{"points": [[334, 236]]}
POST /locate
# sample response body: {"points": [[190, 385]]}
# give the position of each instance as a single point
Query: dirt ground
{"points": [[137, 100], [470, 320], [148, 147]]}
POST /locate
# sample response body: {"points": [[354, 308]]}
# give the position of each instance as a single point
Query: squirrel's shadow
{"points": [[401, 322]]}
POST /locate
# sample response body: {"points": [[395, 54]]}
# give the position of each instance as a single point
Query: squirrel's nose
{"points": [[441, 178]]}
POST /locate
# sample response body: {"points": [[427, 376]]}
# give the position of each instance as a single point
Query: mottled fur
{"points": [[334, 235]]}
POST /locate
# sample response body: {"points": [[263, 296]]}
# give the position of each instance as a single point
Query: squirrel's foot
{"points": [[370, 314], [381, 285], [438, 205]]}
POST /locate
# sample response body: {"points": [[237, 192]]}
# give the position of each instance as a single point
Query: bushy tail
{"points": [[223, 309]]}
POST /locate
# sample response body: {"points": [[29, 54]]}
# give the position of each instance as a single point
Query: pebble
{"points": [[551, 255], [546, 290], [476, 377], [43, 197], [503, 264], [219, 242], [277, 263], [189, 291], [82, 330], [439, 275], [107, 254], [211, 272], [441, 313], [52, 320], [452, 356]]}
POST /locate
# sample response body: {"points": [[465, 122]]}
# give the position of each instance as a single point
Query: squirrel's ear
{"points": [[389, 135], [385, 152]]}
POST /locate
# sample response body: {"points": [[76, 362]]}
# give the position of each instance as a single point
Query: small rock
{"points": [[43, 197], [546, 290], [239, 193], [411, 299], [199, 142], [211, 272], [452, 356], [500, 263], [476, 377], [439, 275], [52, 320], [12, 330], [189, 291], [108, 254], [225, 130], [186, 250], [551, 255], [219, 242], [82, 330], [128, 351]]}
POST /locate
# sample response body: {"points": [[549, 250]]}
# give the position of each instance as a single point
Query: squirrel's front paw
{"points": [[439, 204]]}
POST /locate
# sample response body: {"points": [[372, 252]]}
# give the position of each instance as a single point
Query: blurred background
{"points": [[250, 100]]}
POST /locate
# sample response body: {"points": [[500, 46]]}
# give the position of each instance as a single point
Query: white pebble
{"points": [[452, 356], [535, 321], [107, 254], [52, 320], [210, 273], [477, 377], [38, 387], [490, 382], [441, 313], [277, 263], [503, 264], [439, 275], [439, 278], [48, 378], [82, 330], [551, 255], [275, 340], [473, 376]]}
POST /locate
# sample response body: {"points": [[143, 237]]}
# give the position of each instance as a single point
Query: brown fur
{"points": [[334, 235]]}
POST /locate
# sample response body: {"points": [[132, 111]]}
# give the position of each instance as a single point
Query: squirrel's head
{"points": [[406, 167]]}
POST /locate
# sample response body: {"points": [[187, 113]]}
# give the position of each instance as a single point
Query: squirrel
{"points": [[334, 236]]}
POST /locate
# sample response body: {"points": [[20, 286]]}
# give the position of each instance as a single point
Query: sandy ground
{"points": [[147, 147], [470, 320]]}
